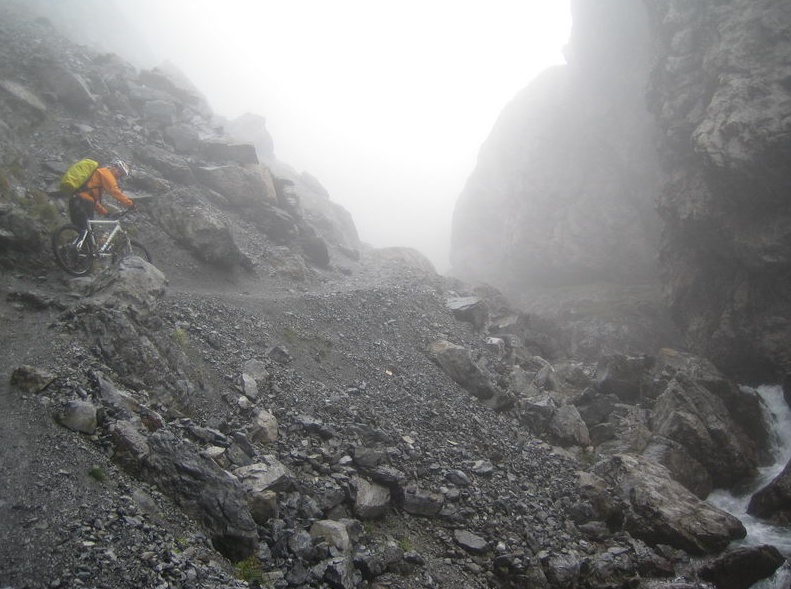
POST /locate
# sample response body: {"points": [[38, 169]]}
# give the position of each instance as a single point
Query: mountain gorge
{"points": [[273, 403], [652, 158]]}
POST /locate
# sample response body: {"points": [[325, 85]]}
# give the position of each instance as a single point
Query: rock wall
{"points": [[666, 137], [562, 190], [721, 92]]}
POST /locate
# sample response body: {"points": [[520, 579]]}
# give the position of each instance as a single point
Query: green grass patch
{"points": [[250, 570], [317, 346], [98, 474], [180, 336]]}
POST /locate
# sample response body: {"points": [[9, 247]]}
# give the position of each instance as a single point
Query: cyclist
{"points": [[88, 199]]}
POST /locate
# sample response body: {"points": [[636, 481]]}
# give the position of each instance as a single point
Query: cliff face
{"points": [[676, 108], [562, 190], [721, 92]]}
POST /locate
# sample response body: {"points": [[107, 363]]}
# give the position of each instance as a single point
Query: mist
{"points": [[385, 103]]}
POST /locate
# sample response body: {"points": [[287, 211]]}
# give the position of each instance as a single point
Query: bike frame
{"points": [[116, 228]]}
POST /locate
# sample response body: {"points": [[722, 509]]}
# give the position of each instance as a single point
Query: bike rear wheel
{"points": [[75, 260]]}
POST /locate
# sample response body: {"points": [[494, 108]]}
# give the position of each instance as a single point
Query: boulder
{"points": [[268, 474], [242, 187], [160, 112], [741, 568], [18, 231], [458, 363], [251, 128], [172, 166], [334, 532], [201, 487], [688, 413], [200, 229], [237, 153], [371, 500], [470, 309], [31, 379], [264, 428], [78, 416], [24, 99], [773, 502], [659, 510], [167, 79], [134, 286], [70, 88], [622, 376]]}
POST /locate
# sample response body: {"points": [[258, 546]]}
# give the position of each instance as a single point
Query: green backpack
{"points": [[77, 175]]}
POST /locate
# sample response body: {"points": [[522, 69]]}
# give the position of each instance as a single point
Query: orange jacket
{"points": [[103, 180]]}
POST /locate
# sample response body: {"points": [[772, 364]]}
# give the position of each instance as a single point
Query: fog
{"points": [[386, 103]]}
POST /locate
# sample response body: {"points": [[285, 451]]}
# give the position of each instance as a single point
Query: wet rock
{"points": [[470, 542], [135, 285], [773, 502], [660, 510], [421, 502], [264, 427], [741, 568], [371, 501], [459, 364], [31, 379], [333, 532], [267, 474], [470, 309], [79, 416]]}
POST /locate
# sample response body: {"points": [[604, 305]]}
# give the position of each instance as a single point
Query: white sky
{"points": [[385, 102]]}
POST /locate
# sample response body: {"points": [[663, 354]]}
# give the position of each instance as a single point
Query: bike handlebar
{"points": [[122, 214]]}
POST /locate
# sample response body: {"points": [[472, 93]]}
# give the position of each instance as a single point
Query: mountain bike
{"points": [[77, 249]]}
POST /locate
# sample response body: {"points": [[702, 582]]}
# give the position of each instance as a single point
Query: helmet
{"points": [[123, 168]]}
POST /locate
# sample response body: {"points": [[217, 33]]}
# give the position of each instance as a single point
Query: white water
{"points": [[778, 418]]}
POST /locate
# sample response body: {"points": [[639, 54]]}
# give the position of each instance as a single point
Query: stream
{"points": [[778, 416]]}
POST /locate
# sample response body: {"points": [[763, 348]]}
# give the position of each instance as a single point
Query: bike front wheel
{"points": [[133, 248], [71, 255]]}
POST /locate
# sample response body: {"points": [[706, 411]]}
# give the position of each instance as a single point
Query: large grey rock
{"points": [[660, 510], [31, 379], [773, 502], [200, 229], [371, 500], [268, 474], [195, 483], [699, 420], [133, 286], [70, 88], [458, 363], [242, 187], [741, 568], [251, 128], [237, 153], [79, 416], [172, 166], [24, 98], [167, 78]]}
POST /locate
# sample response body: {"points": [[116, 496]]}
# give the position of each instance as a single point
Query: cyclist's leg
{"points": [[80, 212]]}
